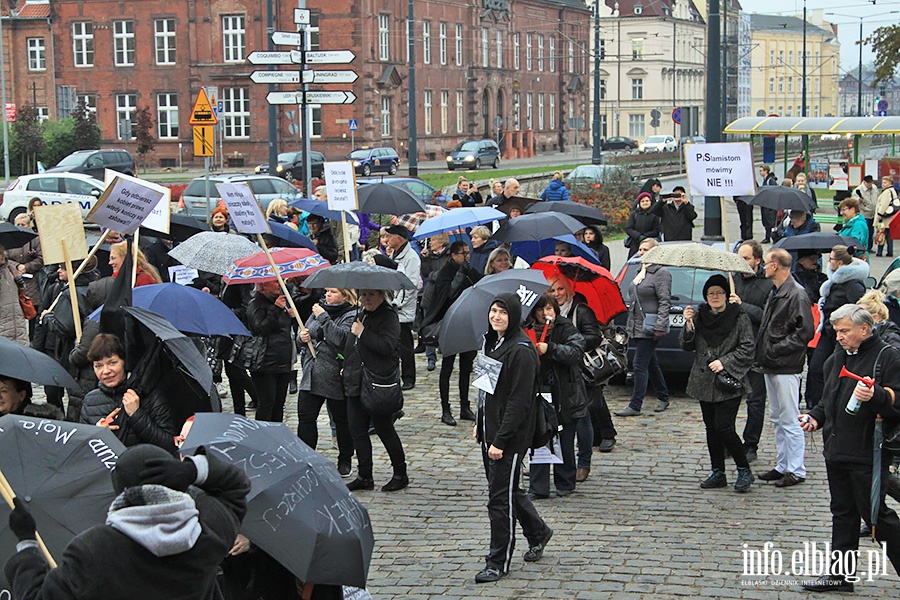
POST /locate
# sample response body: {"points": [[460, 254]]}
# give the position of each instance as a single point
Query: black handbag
{"points": [[546, 423], [607, 360], [429, 334], [728, 383], [248, 352], [381, 395]]}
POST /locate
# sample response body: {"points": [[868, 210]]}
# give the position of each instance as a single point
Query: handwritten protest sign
{"points": [[245, 211], [59, 227], [720, 169], [182, 275], [340, 181], [158, 219], [125, 204]]}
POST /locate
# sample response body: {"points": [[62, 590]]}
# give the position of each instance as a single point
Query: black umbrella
{"points": [[357, 275], [387, 199], [21, 362], [779, 197], [466, 320], [875, 493], [14, 237], [62, 472], [181, 227], [819, 241], [584, 213], [300, 512], [537, 227], [507, 204]]}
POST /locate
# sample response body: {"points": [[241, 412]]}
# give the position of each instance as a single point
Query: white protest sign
{"points": [[182, 275], [158, 219], [246, 214], [124, 205], [720, 169], [340, 181]]}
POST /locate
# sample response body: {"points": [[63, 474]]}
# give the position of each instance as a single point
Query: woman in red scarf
{"points": [[146, 273]]}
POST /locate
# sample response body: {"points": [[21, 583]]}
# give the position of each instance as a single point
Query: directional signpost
{"points": [[324, 57], [287, 38], [275, 77], [330, 76], [283, 98], [269, 58], [320, 97]]}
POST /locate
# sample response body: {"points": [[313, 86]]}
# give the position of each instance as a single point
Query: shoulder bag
{"points": [[605, 361], [546, 423], [25, 302], [648, 325], [381, 395], [248, 352]]}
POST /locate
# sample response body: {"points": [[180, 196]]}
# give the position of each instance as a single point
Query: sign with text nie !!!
{"points": [[246, 214], [720, 169]]}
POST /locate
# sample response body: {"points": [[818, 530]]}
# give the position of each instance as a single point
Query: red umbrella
{"points": [[291, 262], [592, 281]]}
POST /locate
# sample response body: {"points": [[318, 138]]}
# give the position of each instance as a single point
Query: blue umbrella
{"points": [[188, 310], [458, 218], [531, 251], [317, 207], [286, 237]]}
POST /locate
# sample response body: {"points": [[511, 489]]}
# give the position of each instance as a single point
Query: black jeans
{"points": [[756, 410], [745, 213], [769, 216], [240, 384], [466, 361], [308, 408], [407, 354], [359, 419], [271, 393], [815, 373], [508, 503], [563, 474], [871, 224], [718, 417], [601, 419], [647, 369]]}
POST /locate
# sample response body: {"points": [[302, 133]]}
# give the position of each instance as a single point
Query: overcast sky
{"points": [[848, 26]]}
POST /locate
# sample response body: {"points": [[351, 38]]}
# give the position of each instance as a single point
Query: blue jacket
{"points": [[859, 229], [554, 192]]}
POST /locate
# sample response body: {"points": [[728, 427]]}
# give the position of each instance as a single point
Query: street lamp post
{"points": [[596, 158]]}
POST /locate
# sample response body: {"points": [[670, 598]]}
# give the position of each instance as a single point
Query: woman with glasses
{"points": [[855, 225]]}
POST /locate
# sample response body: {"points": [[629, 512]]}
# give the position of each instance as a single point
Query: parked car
{"points": [[619, 143], [659, 143], [418, 188], [691, 139], [95, 162], [265, 187], [471, 154], [586, 178], [290, 165], [51, 188], [372, 160]]}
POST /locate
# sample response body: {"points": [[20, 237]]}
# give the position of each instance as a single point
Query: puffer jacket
{"points": [[735, 352], [151, 423], [83, 370], [329, 332], [555, 192], [561, 371], [845, 285], [266, 319], [13, 325], [785, 330], [479, 256], [642, 224], [652, 296]]}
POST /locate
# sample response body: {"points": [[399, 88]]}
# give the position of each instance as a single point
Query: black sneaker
{"points": [[716, 480], [829, 583], [361, 484], [344, 470], [489, 575], [396, 483], [750, 453], [773, 475], [536, 552], [789, 480], [745, 478], [408, 385], [607, 445]]}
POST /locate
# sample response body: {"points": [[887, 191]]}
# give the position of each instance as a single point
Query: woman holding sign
{"points": [[146, 273]]}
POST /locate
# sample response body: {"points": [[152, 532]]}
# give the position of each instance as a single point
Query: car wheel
{"points": [[393, 169], [450, 167], [15, 213], [477, 163], [366, 170], [496, 164], [289, 176]]}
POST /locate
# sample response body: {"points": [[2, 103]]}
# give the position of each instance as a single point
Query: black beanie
{"points": [[719, 280], [131, 464]]}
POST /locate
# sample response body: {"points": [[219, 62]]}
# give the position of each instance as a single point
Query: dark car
{"points": [[373, 160], [290, 165], [95, 162], [417, 187], [619, 143], [585, 179], [471, 154]]}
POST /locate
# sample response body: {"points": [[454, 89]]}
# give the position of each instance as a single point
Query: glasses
{"points": [[715, 294], [464, 253]]}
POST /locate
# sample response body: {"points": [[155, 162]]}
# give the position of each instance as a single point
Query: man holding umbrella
{"points": [[848, 437], [405, 301]]}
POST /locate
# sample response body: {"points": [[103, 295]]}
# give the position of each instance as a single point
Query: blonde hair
{"points": [[121, 249], [481, 231], [275, 205], [557, 175], [494, 255], [653, 243], [460, 180], [873, 301]]}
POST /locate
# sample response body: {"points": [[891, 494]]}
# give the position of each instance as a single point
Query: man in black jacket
{"points": [[848, 438], [160, 540], [677, 215], [768, 216], [505, 428]]}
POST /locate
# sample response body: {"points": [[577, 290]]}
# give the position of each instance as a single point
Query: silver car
{"points": [[265, 187]]}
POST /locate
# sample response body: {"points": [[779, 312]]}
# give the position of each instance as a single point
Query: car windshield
{"points": [[466, 147], [687, 283], [359, 154], [588, 172], [285, 157], [195, 188], [656, 139], [73, 160]]}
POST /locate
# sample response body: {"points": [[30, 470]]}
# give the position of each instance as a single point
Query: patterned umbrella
{"points": [[291, 262], [412, 221], [213, 252], [698, 256]]}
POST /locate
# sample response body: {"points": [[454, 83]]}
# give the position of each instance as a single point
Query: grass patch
{"points": [[440, 180]]}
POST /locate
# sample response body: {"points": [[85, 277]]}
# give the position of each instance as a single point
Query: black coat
{"points": [[326, 244], [585, 321], [641, 225], [677, 223], [754, 292], [151, 423], [451, 280], [266, 319], [561, 371], [377, 347], [104, 563], [785, 330], [810, 279], [329, 333]]}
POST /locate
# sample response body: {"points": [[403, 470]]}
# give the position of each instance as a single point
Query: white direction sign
{"points": [[301, 16], [329, 76], [269, 58], [287, 38], [275, 76], [283, 98], [324, 57], [720, 169], [330, 97]]}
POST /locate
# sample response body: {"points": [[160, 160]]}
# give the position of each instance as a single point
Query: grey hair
{"points": [[856, 313]]}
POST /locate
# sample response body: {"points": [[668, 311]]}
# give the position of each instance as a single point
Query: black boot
{"points": [[465, 411], [447, 417]]}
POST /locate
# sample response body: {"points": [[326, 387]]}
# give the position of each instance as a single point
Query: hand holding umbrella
{"points": [[21, 523]]}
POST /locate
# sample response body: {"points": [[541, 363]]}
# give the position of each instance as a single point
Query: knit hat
{"points": [[643, 195], [131, 463], [715, 280]]}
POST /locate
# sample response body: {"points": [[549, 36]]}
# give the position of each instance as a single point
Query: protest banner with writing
{"points": [[340, 181], [158, 219], [182, 275], [720, 169], [245, 211], [61, 232], [125, 204]]}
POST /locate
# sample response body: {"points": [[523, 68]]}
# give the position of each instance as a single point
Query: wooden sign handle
{"points": [[73, 294]]}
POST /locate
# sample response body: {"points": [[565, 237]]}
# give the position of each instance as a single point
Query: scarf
{"points": [[716, 327]]}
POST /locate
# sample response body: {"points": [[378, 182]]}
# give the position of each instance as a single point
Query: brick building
{"points": [[523, 61]]}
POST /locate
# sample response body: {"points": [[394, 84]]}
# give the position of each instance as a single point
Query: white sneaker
{"points": [[222, 389]]}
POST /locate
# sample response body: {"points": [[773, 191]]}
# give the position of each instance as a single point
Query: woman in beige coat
{"points": [[13, 325]]}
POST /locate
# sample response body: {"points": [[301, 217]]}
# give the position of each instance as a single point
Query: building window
{"points": [[637, 89], [552, 55], [312, 34], [426, 42], [540, 112], [499, 49], [235, 112], [126, 104], [385, 116], [602, 50], [571, 56], [89, 101], [791, 58], [552, 112], [315, 120], [233, 40], [540, 53], [781, 84], [443, 44], [516, 110], [528, 42], [781, 110], [167, 115], [164, 35], [427, 103], [460, 110], [445, 111], [637, 49], [83, 44], [603, 89], [772, 85], [790, 111], [37, 54], [485, 48], [529, 101], [771, 58], [516, 44], [459, 45], [781, 58], [123, 43], [384, 36], [636, 128], [816, 110]]}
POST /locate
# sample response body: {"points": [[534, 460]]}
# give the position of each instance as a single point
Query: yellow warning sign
{"points": [[202, 113], [204, 142]]}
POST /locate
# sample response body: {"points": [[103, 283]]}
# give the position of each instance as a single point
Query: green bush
{"points": [[614, 198], [59, 141]]}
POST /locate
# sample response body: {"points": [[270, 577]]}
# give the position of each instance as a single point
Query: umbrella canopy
{"points": [[62, 472], [819, 241], [466, 321], [15, 237], [458, 218], [213, 252], [584, 213], [300, 512], [698, 256], [531, 251], [189, 310], [287, 237], [21, 362], [536, 227], [181, 227], [592, 281], [359, 275], [779, 197], [413, 221], [317, 207], [875, 492], [291, 262], [508, 204], [386, 199]]}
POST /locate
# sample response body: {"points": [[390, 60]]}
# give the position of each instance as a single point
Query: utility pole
{"points": [[596, 158], [712, 219], [411, 44], [273, 116]]}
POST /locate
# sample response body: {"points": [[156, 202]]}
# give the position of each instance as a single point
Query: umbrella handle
{"points": [[8, 494]]}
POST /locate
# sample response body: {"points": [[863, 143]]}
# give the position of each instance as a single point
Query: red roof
{"points": [[28, 9]]}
